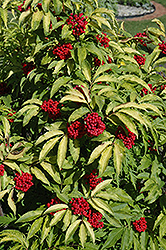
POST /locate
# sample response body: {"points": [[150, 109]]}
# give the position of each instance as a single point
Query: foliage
{"points": [[82, 129]]}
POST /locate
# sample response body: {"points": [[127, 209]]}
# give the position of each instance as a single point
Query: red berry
{"points": [[140, 225], [94, 125], [63, 51], [51, 107], [127, 140], [23, 182], [2, 170]]}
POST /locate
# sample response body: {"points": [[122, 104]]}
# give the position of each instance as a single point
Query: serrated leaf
{"points": [[82, 53], [14, 235], [74, 147], [35, 227], [62, 149], [162, 228], [101, 69], [36, 19], [100, 186], [2, 193], [57, 217], [12, 165], [67, 219], [40, 175], [24, 15], [30, 113], [82, 234], [105, 78], [90, 230], [11, 202], [97, 151], [29, 216], [71, 230], [45, 229], [57, 6], [158, 220], [46, 23], [6, 126], [55, 208], [118, 155], [59, 82], [45, 5], [51, 171], [86, 69], [48, 135], [78, 113], [113, 237], [73, 98], [104, 159], [103, 205], [47, 147]]}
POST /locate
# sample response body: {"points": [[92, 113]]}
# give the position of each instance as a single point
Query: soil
{"points": [[160, 10]]}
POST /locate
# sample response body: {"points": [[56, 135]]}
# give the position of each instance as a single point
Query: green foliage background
{"points": [[134, 179]]}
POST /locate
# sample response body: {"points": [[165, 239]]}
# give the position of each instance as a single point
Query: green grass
{"points": [[134, 27]]}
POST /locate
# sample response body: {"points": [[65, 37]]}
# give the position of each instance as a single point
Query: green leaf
{"points": [[100, 186], [14, 235], [82, 53], [47, 147], [4, 13], [162, 242], [2, 193], [90, 230], [71, 230], [58, 83], [30, 113], [119, 151], [78, 113], [57, 6], [159, 23], [86, 69], [97, 151], [103, 205], [162, 229], [24, 15], [36, 19], [102, 69], [67, 219], [82, 234], [45, 5], [74, 147], [104, 159], [12, 165], [62, 150], [48, 135], [158, 220], [6, 126], [113, 237], [45, 229], [73, 98], [57, 217], [29, 216], [55, 208], [51, 171], [46, 23], [36, 226], [40, 175], [11, 201], [105, 78]]}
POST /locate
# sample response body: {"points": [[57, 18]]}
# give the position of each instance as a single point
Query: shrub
{"points": [[82, 129]]}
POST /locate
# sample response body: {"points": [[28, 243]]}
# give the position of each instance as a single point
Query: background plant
{"points": [[82, 129]]}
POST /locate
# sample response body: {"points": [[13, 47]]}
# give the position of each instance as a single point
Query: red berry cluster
{"points": [[2, 170], [78, 23], [127, 140], [76, 130], [97, 62], [9, 115], [103, 40], [81, 206], [94, 125], [163, 87], [140, 40], [144, 91], [4, 89], [51, 107], [140, 225], [21, 9], [140, 59], [23, 182], [162, 47], [28, 67], [63, 51], [54, 201], [92, 179]]}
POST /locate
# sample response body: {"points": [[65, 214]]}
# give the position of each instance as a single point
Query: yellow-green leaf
{"points": [[11, 202], [90, 230], [40, 175], [119, 151], [104, 159], [57, 217], [55, 208], [62, 149], [48, 135], [97, 151], [100, 186], [103, 205], [82, 234], [35, 227], [71, 230]]}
